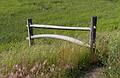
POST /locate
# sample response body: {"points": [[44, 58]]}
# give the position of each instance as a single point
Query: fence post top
{"points": [[29, 21], [94, 16], [94, 21]]}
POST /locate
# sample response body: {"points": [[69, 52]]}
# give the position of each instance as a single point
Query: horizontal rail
{"points": [[60, 27], [70, 39]]}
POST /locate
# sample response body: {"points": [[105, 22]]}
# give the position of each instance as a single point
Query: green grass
{"points": [[13, 32]]}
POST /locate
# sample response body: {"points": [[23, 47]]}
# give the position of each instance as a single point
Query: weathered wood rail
{"points": [[60, 27], [91, 29]]}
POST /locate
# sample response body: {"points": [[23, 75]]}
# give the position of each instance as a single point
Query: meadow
{"points": [[67, 59]]}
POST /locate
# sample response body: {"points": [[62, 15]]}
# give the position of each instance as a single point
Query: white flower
{"points": [[109, 67]]}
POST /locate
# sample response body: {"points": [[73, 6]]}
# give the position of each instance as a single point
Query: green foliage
{"points": [[109, 53], [64, 56], [14, 48], [14, 14], [113, 61]]}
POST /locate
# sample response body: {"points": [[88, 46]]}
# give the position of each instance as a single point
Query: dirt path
{"points": [[93, 73]]}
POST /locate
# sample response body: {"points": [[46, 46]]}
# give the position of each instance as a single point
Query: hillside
{"points": [[14, 47]]}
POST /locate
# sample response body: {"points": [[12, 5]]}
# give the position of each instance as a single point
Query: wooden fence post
{"points": [[30, 31], [93, 38]]}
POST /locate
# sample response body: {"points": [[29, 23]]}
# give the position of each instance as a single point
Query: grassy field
{"points": [[70, 58]]}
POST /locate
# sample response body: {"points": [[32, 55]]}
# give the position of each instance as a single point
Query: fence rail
{"points": [[70, 39], [60, 27]]}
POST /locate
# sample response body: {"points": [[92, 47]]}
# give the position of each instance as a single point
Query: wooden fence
{"points": [[91, 29]]}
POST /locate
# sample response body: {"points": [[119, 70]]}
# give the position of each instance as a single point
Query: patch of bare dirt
{"points": [[96, 72]]}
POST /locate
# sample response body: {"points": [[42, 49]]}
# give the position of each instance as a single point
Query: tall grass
{"points": [[109, 52], [14, 48], [113, 61], [61, 55]]}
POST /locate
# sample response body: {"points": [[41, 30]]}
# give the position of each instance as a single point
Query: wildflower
{"points": [[109, 67]]}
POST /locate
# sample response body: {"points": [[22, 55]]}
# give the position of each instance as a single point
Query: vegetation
{"points": [[59, 54]]}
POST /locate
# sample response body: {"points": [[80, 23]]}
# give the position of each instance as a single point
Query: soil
{"points": [[93, 72]]}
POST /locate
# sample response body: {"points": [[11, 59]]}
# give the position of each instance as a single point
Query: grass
{"points": [[13, 32], [22, 54]]}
